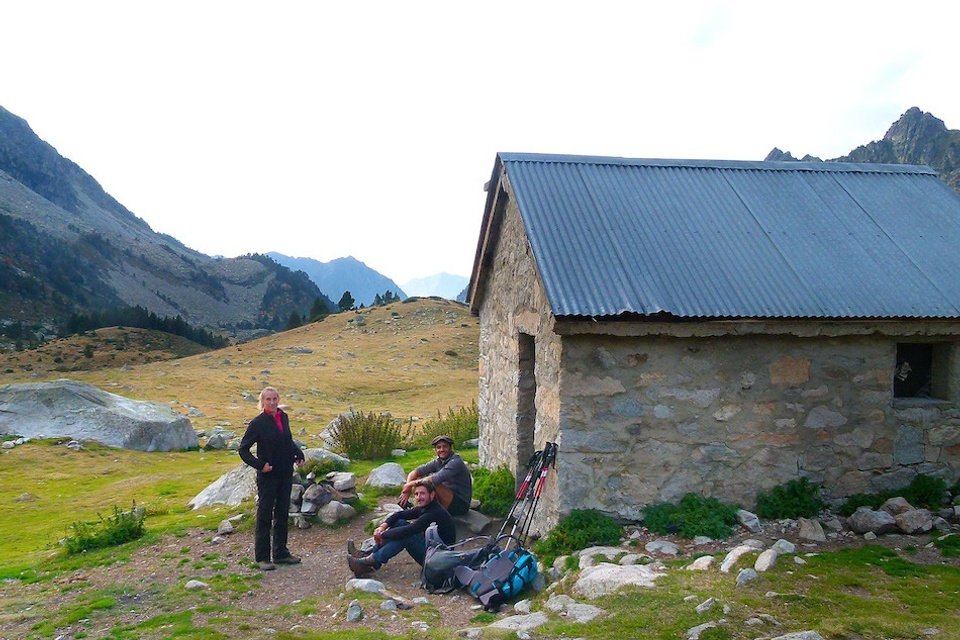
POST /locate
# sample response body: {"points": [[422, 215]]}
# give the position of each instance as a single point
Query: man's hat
{"points": [[441, 439]]}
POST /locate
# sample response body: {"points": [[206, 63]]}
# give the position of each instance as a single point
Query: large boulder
{"points": [[866, 520], [77, 410], [604, 579], [390, 474], [236, 485]]}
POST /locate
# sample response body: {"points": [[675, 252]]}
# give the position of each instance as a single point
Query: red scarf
{"points": [[278, 420]]}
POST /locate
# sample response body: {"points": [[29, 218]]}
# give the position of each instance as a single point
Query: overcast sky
{"points": [[324, 129]]}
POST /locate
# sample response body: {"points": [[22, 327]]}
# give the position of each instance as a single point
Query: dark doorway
{"points": [[526, 402]]}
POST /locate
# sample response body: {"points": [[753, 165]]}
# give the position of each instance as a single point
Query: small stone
{"points": [[522, 606], [388, 605], [766, 560], [784, 546], [421, 600], [706, 605], [354, 611], [689, 598], [225, 527], [193, 585], [701, 564], [749, 520], [664, 547], [701, 540], [695, 632], [798, 560], [745, 576], [869, 535]]}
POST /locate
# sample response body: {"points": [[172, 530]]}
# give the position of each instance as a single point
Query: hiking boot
{"points": [[266, 566], [362, 567], [352, 550], [287, 559]]}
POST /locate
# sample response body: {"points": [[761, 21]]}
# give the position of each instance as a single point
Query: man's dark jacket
{"points": [[273, 446], [419, 518]]}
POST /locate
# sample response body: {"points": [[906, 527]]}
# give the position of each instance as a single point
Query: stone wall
{"points": [[650, 418], [514, 302]]}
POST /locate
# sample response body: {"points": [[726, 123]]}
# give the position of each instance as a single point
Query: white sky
{"points": [[324, 129]]}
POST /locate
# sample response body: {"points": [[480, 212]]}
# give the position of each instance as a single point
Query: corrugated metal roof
{"points": [[727, 239]]}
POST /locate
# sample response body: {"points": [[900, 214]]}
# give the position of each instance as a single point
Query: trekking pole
{"points": [[521, 520], [533, 466], [549, 459]]}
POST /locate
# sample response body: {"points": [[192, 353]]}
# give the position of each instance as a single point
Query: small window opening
{"points": [[913, 377]]}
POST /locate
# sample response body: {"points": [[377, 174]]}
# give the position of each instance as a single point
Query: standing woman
{"points": [[276, 455]]}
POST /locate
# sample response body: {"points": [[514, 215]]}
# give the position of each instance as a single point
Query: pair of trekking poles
{"points": [[528, 495]]}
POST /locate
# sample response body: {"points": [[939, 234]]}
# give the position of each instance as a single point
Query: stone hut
{"points": [[717, 327]]}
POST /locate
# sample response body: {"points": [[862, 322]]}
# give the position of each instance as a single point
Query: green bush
{"points": [[320, 468], [694, 516], [926, 491], [494, 490], [796, 498], [923, 491], [122, 526], [949, 545], [368, 436], [460, 424], [581, 529]]}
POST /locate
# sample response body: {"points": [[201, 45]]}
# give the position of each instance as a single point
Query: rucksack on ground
{"points": [[441, 560], [505, 575]]}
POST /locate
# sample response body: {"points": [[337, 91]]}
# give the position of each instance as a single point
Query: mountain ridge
{"points": [[342, 274], [917, 137], [68, 246]]}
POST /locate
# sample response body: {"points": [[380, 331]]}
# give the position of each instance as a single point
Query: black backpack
{"points": [[441, 560]]}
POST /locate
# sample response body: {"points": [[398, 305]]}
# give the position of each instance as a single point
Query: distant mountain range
{"points": [[67, 246], [916, 138], [444, 285], [343, 274]]}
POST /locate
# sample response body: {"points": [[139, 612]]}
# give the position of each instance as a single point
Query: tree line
{"points": [[142, 319]]}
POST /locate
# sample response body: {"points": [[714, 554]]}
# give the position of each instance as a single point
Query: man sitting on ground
{"points": [[448, 473], [404, 530]]}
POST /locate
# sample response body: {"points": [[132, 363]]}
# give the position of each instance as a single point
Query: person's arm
{"points": [[297, 452], [249, 439], [455, 467], [423, 519]]}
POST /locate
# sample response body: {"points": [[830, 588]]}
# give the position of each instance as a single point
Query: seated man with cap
{"points": [[449, 475]]}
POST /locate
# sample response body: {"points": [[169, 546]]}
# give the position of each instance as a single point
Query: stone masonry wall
{"points": [[650, 418], [514, 302]]}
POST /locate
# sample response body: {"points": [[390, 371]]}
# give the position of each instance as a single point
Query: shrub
{"points": [[366, 436], [581, 529], [122, 526], [694, 516], [926, 491], [923, 491], [321, 468], [949, 545], [460, 424], [494, 490], [794, 499]]}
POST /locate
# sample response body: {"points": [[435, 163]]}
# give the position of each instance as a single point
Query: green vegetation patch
{"points": [[794, 499], [693, 516], [367, 436], [461, 424], [949, 545], [494, 490], [122, 526], [923, 491], [581, 529]]}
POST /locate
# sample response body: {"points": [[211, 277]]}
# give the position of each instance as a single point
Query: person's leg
{"points": [[444, 495], [416, 546], [281, 517], [383, 552], [458, 507], [266, 497]]}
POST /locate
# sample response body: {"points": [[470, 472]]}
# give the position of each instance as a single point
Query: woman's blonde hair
{"points": [[265, 390]]}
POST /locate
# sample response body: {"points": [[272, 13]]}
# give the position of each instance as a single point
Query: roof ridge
{"points": [[746, 165]]}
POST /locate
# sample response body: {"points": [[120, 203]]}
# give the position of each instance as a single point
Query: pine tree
{"points": [[346, 302]]}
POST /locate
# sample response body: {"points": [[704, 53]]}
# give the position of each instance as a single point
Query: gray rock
{"points": [[365, 584], [233, 487], [706, 605], [193, 585], [810, 529], [588, 557], [389, 605], [745, 576], [522, 606], [354, 611], [941, 525], [800, 635], [324, 455], [225, 527], [296, 493], [559, 603], [766, 560], [560, 563], [605, 579], [754, 544], [521, 623], [664, 547], [733, 556], [914, 521], [833, 523], [390, 474], [66, 408], [701, 564], [300, 521], [472, 443], [334, 511], [895, 506], [9, 444], [869, 535], [866, 520], [583, 613], [749, 520], [398, 453], [470, 633], [318, 494], [342, 480], [702, 540], [215, 442], [472, 521], [782, 546], [695, 632]]}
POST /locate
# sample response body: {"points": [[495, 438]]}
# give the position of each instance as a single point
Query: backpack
{"points": [[505, 575], [441, 560]]}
